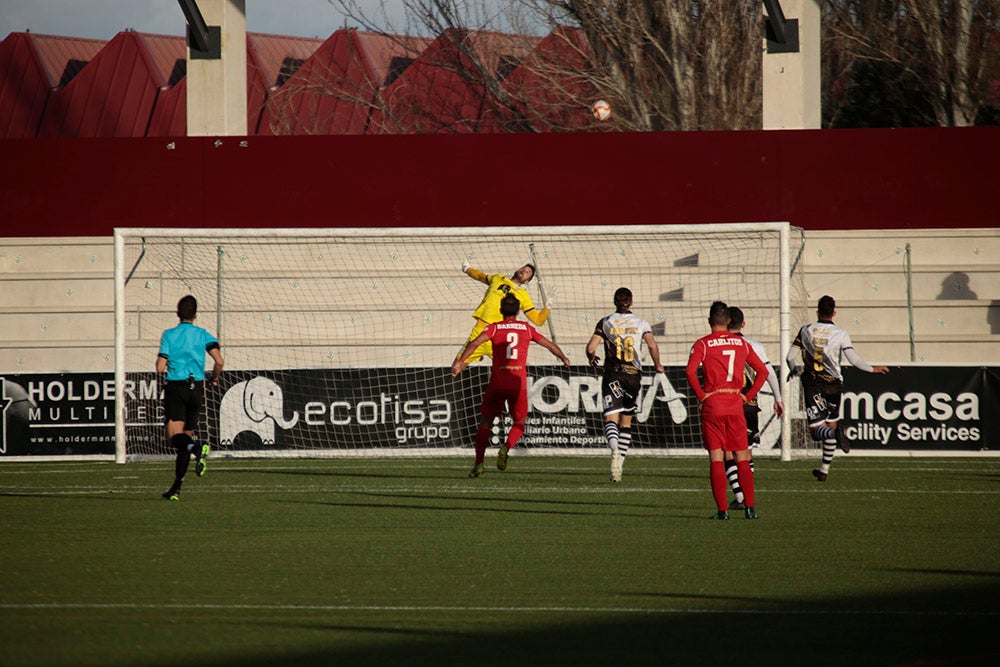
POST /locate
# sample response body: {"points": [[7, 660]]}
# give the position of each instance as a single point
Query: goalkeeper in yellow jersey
{"points": [[488, 311]]}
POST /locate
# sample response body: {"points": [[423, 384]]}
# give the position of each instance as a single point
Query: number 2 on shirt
{"points": [[512, 339]]}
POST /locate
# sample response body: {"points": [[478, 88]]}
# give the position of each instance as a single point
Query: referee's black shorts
{"points": [[182, 400]]}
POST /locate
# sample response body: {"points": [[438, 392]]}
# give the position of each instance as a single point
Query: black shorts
{"points": [[620, 389], [822, 400], [182, 400]]}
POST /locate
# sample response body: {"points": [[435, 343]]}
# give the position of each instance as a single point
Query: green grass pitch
{"points": [[408, 562]]}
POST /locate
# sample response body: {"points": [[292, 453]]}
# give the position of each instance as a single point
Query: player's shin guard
{"points": [[717, 475], [746, 481], [514, 435]]}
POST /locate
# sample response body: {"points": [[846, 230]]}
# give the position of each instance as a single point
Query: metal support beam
{"points": [[782, 34], [204, 41]]}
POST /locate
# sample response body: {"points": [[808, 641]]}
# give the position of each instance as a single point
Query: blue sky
{"points": [[103, 19]]}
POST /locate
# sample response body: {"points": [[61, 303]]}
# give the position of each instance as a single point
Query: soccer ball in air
{"points": [[601, 110]]}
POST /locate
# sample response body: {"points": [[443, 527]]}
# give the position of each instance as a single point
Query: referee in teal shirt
{"points": [[182, 358]]}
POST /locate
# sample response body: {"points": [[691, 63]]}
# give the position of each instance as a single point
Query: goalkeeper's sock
{"points": [[611, 435]]}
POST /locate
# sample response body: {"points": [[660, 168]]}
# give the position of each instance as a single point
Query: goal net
{"points": [[340, 341]]}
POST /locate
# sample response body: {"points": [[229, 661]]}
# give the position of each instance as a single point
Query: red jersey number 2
{"points": [[512, 340]]}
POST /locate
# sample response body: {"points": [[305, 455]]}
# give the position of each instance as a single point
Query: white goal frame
{"points": [[785, 270]]}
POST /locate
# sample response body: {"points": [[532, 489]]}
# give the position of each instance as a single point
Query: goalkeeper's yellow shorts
{"points": [[484, 350]]}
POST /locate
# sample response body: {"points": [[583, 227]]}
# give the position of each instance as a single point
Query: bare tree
{"points": [[911, 62], [668, 65]]}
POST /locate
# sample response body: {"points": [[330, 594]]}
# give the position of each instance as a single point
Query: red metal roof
{"points": [[113, 96], [333, 91], [355, 82], [279, 57], [169, 53], [388, 55], [169, 115], [544, 95], [271, 60], [64, 57], [440, 92], [31, 66]]}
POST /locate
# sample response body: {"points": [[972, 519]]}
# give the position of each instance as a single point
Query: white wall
{"points": [[57, 301]]}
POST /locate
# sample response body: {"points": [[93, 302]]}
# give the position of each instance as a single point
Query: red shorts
{"points": [[726, 432], [508, 392]]}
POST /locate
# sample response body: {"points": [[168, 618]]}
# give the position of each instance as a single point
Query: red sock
{"points": [[482, 440], [514, 435], [717, 474], [746, 481]]}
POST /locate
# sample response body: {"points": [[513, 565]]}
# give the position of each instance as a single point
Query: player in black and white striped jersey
{"points": [[815, 354], [623, 334], [751, 409]]}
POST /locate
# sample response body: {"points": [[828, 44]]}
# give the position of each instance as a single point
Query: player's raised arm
{"points": [[861, 364], [539, 317], [461, 362], [554, 349], [474, 273]]}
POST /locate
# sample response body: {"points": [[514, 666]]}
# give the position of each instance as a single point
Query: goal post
{"points": [[339, 342]]}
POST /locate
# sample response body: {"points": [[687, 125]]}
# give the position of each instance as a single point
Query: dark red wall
{"points": [[822, 179]]}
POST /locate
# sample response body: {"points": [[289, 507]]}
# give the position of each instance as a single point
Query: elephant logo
{"points": [[255, 405]]}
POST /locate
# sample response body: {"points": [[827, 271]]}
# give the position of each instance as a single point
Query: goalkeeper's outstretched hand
{"points": [[466, 266], [551, 296]]}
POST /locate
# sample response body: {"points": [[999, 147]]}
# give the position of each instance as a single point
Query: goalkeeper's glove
{"points": [[466, 266], [550, 297]]}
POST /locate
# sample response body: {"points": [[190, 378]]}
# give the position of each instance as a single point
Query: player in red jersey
{"points": [[508, 384], [723, 357]]}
